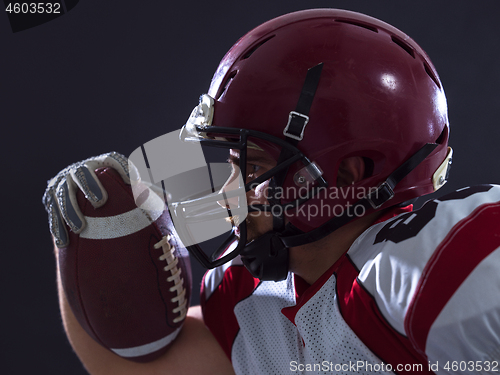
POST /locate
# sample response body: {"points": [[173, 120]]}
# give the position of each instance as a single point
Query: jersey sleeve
{"points": [[435, 275], [222, 288]]}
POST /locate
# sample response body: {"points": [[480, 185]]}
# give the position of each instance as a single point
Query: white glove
{"points": [[60, 196]]}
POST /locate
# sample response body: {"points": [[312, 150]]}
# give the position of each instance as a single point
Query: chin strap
{"points": [[298, 119], [294, 132], [267, 257]]}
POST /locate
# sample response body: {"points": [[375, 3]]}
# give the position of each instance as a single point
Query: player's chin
{"points": [[254, 229]]}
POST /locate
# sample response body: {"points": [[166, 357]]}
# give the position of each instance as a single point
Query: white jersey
{"points": [[417, 293]]}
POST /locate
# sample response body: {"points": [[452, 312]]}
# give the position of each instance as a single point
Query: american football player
{"points": [[336, 122]]}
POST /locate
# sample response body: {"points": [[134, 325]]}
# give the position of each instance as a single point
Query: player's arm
{"points": [[194, 351]]}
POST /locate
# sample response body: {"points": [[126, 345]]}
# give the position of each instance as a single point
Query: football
{"points": [[127, 276]]}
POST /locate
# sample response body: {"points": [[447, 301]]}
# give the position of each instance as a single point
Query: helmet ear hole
{"points": [[369, 166], [351, 170]]}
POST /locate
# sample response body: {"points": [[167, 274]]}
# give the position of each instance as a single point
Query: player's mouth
{"points": [[235, 222]]}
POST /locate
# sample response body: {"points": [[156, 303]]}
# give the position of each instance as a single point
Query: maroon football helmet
{"points": [[315, 87]]}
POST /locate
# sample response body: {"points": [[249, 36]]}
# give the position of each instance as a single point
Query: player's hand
{"points": [[60, 196]]}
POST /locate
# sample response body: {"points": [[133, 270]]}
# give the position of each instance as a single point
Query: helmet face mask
{"points": [[308, 178]]}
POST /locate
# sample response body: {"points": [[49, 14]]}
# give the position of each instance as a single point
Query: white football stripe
{"points": [[147, 348], [101, 228]]}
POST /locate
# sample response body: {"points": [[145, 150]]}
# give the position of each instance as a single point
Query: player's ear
{"points": [[351, 170]]}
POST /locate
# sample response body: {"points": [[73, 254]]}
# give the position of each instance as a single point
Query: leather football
{"points": [[127, 276]]}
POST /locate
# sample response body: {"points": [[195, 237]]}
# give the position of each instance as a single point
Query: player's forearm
{"points": [[96, 359], [195, 350]]}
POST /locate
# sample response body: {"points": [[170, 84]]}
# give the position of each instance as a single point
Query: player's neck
{"points": [[313, 260]]}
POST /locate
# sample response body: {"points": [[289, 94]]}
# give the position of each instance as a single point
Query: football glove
{"points": [[60, 196]]}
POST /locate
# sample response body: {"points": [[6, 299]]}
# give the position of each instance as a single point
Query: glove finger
{"points": [[56, 223], [48, 196], [90, 185], [68, 205], [114, 160]]}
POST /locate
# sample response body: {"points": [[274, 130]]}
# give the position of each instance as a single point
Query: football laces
{"points": [[175, 277]]}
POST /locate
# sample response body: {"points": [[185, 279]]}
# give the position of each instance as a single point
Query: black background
{"points": [[111, 75]]}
